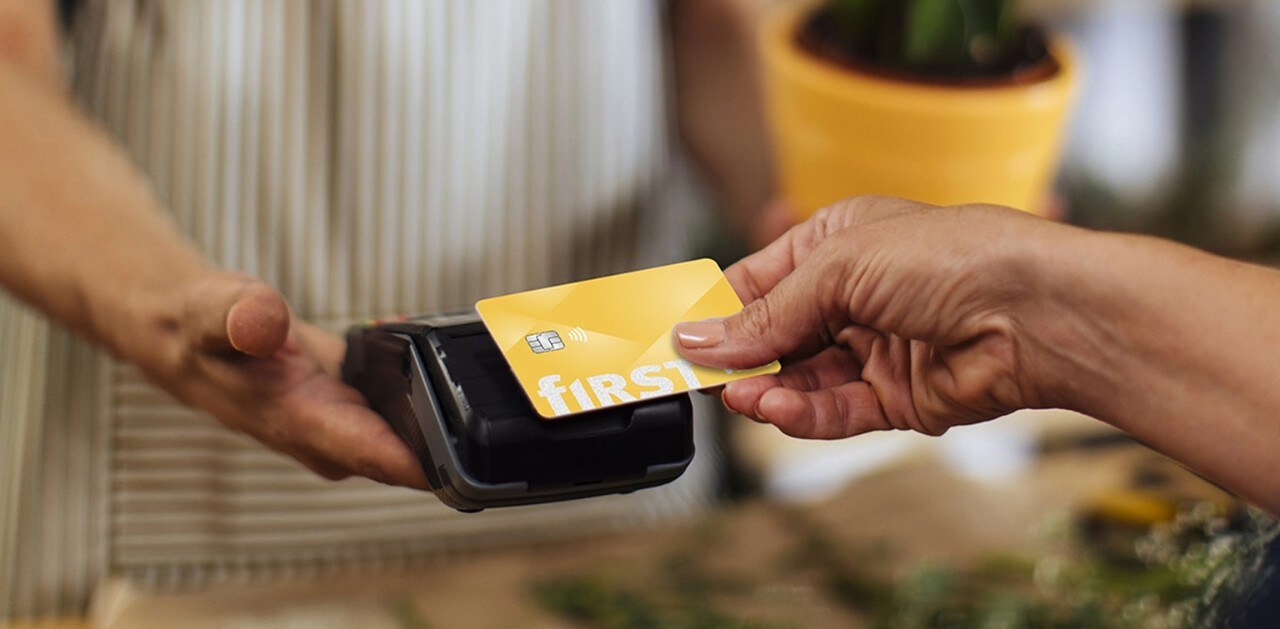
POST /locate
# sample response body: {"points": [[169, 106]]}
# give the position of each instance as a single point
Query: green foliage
{"points": [[596, 601], [931, 37], [1089, 575], [1182, 574], [604, 603], [681, 594]]}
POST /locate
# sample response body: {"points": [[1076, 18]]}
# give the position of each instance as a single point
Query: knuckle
{"points": [[836, 217], [841, 414], [835, 267], [929, 424], [930, 416], [756, 320], [869, 208], [852, 206], [823, 217]]}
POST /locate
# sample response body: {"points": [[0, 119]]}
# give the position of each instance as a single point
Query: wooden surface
{"points": [[913, 513]]}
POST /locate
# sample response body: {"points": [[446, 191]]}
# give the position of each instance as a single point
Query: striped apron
{"points": [[367, 158]]}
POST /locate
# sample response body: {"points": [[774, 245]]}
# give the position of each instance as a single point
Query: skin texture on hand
{"points": [[237, 352], [889, 314], [877, 332], [103, 259]]}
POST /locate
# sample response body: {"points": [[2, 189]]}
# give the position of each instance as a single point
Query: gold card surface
{"points": [[607, 341]]}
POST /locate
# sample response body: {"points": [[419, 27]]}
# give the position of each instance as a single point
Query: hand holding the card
{"points": [[890, 314]]}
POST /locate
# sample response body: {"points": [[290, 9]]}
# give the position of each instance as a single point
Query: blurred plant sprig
{"points": [[931, 37]]}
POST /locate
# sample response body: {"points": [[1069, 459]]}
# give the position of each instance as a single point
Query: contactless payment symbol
{"points": [[542, 342]]}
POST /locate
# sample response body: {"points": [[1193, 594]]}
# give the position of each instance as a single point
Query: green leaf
{"points": [[1006, 24], [935, 35]]}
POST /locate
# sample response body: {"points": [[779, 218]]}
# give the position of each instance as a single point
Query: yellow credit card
{"points": [[607, 341]]}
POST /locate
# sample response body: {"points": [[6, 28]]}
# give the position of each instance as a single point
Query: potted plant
{"points": [[942, 101]]}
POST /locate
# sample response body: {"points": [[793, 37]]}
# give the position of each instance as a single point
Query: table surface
{"points": [[744, 559]]}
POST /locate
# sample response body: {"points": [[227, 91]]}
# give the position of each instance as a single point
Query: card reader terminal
{"points": [[442, 384]]}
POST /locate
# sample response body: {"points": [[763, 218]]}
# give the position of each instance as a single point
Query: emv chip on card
{"points": [[607, 341]]}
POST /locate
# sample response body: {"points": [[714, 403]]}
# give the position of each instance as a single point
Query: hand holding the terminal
{"points": [[103, 259], [889, 314], [235, 350]]}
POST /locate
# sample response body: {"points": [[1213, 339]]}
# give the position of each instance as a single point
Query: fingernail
{"points": [[700, 334], [724, 399], [231, 338]]}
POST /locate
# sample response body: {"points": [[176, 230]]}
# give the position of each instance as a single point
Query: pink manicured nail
{"points": [[700, 334]]}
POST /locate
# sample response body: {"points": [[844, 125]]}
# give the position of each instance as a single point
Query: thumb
{"points": [[235, 312], [791, 316]]}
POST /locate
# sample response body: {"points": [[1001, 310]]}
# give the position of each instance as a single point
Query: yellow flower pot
{"points": [[839, 132]]}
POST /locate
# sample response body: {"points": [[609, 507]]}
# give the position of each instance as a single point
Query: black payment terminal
{"points": [[442, 384]]}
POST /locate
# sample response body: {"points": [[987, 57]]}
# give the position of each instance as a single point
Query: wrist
{"points": [[1170, 345], [1070, 345], [1109, 320]]}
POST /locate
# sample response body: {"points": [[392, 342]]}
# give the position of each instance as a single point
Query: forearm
{"points": [[81, 237], [1177, 347], [719, 104]]}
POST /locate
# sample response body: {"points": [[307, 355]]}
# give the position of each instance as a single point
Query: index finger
{"points": [[755, 275]]}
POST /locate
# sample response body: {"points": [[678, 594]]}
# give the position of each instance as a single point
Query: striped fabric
{"points": [[367, 158]]}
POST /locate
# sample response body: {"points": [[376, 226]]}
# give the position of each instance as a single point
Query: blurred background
{"points": [[1044, 519], [1176, 128]]}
